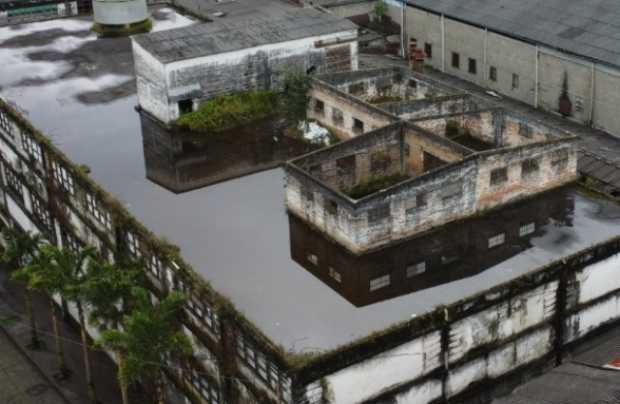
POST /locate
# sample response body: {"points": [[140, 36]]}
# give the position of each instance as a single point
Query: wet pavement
{"points": [[236, 233], [20, 381]]}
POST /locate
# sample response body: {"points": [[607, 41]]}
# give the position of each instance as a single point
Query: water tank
{"points": [[120, 16]]}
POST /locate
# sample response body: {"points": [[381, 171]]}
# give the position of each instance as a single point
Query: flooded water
{"points": [[236, 233]]}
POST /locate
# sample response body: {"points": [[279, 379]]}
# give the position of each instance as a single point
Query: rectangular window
{"points": [[378, 215], [63, 178], [41, 212], [493, 73], [456, 60], [337, 117], [379, 282], [319, 107], [13, 182], [379, 161], [335, 275], [357, 88], [93, 207], [32, 148], [331, 207], [559, 161], [186, 106], [525, 130], [472, 67], [416, 269], [5, 124], [428, 50], [452, 191], [499, 176], [515, 81], [527, 229], [497, 240], [421, 199], [313, 259], [529, 168], [358, 126]]}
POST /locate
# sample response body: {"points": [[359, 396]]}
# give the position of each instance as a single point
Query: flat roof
{"points": [[236, 234], [589, 28], [233, 33]]}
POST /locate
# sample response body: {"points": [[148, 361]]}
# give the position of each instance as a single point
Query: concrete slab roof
{"points": [[236, 33], [588, 28]]}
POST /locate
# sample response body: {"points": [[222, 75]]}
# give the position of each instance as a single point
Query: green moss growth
{"points": [[375, 184], [113, 31], [228, 111]]}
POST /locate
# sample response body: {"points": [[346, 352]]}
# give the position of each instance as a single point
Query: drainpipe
{"points": [[443, 43], [592, 93], [536, 81], [403, 28], [484, 56]]}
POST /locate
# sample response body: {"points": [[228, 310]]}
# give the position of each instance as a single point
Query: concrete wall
{"points": [[119, 12], [483, 340], [539, 70], [261, 67], [22, 13]]}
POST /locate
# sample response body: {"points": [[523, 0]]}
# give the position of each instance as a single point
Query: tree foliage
{"points": [[149, 336], [294, 98]]}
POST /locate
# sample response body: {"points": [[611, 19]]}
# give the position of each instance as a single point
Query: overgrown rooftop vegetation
{"points": [[229, 111]]}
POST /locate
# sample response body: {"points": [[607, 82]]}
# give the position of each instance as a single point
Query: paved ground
{"points": [[14, 321], [20, 380], [582, 379], [593, 140]]}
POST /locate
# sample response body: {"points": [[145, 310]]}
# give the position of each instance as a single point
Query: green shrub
{"points": [[229, 111], [294, 97]]}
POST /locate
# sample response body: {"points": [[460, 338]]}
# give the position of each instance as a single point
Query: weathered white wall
{"points": [[388, 369], [590, 84]]}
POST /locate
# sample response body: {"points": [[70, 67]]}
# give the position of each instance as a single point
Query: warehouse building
{"points": [[178, 69], [18, 11], [561, 56]]}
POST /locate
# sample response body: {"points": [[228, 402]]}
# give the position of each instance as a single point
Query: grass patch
{"points": [[229, 111], [375, 184]]}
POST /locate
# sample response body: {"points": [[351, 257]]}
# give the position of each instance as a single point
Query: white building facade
{"points": [[512, 58], [174, 75]]}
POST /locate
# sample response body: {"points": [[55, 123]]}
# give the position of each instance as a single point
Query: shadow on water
{"points": [[453, 252], [182, 161]]}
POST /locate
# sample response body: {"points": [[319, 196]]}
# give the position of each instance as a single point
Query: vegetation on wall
{"points": [[294, 98], [229, 111], [374, 184]]}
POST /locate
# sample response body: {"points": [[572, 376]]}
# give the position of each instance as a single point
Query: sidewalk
{"points": [[21, 382], [14, 320]]}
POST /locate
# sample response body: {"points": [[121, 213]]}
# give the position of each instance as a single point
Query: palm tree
{"points": [[21, 247], [107, 289], [40, 275], [148, 337], [71, 265]]}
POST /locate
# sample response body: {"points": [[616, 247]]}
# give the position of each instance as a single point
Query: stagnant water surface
{"points": [[80, 90]]}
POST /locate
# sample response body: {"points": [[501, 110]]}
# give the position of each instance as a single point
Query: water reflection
{"points": [[183, 161], [448, 254]]}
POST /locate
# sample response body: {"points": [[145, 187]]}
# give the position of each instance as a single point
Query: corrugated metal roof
{"points": [[231, 34], [590, 28]]}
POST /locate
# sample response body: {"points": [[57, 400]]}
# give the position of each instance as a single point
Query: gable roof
{"points": [[589, 28], [227, 35]]}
